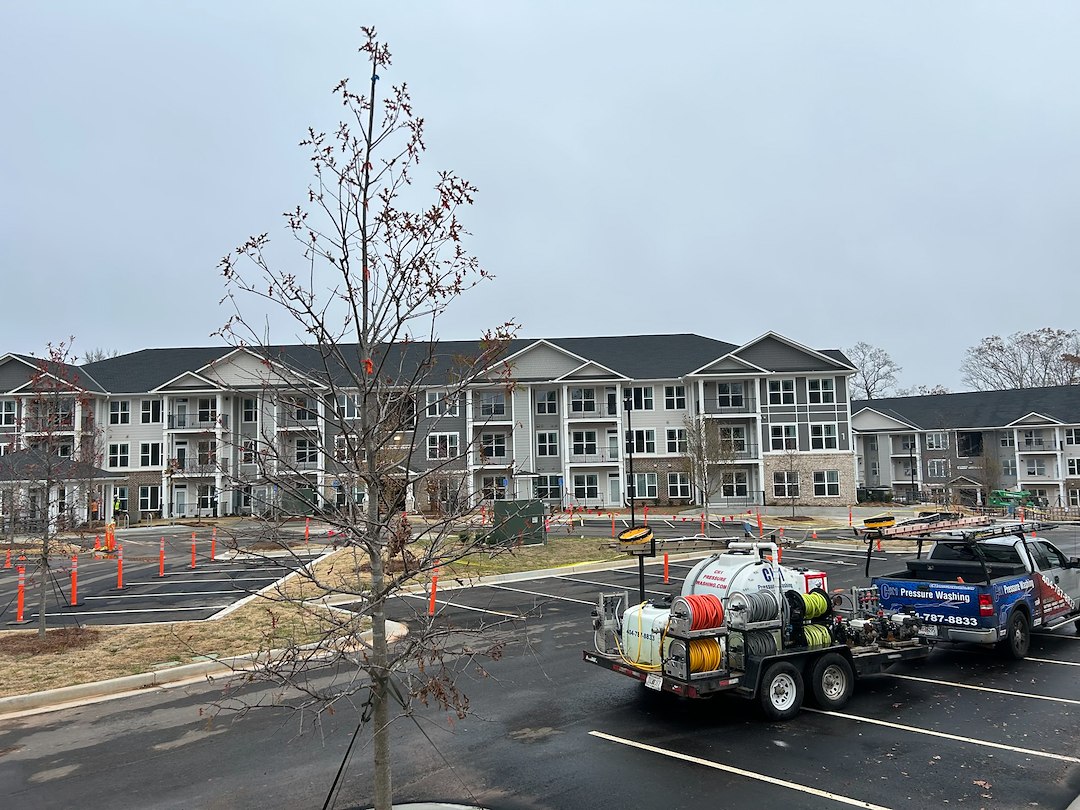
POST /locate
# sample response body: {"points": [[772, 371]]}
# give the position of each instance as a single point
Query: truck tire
{"points": [[781, 691], [832, 681], [1018, 639], [1077, 626]]}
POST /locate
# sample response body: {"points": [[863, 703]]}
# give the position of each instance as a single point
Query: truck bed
{"points": [[954, 570]]}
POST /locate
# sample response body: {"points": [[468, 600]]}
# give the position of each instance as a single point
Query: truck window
{"points": [[1054, 557], [1039, 553], [965, 552]]}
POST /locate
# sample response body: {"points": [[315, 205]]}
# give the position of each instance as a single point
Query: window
{"points": [[732, 440], [582, 400], [823, 437], [547, 487], [826, 483], [307, 452], [1033, 438], [492, 445], [734, 484], [675, 397], [1074, 497], [584, 442], [151, 411], [250, 448], [676, 440], [65, 450], [1036, 467], [547, 402], [641, 441], [492, 403], [118, 455], [341, 448], [207, 409], [875, 470], [937, 468], [348, 406], [441, 403], [149, 498], [969, 444], [786, 484], [120, 495], [729, 395], [1072, 435], [781, 392], [249, 411], [1008, 467], [442, 446], [643, 485], [821, 391], [937, 441], [642, 398], [1008, 439], [493, 487], [678, 485], [120, 412], [547, 443], [150, 454], [207, 498], [7, 412], [1074, 466], [871, 443], [302, 409], [207, 451], [784, 437], [586, 486]]}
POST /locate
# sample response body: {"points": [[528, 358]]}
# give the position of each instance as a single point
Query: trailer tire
{"points": [[832, 681], [781, 691], [1018, 639]]}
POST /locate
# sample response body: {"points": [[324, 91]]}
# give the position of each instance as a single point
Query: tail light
{"points": [[986, 604]]}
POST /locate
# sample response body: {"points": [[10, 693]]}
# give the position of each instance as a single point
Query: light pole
{"points": [[628, 406], [911, 450]]}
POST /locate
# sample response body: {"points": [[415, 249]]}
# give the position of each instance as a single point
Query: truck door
{"points": [[1056, 583]]}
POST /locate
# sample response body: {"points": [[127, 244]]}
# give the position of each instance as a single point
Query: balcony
{"points": [[204, 467], [597, 414], [744, 452], [206, 422], [487, 460], [596, 457], [65, 423], [732, 405], [297, 420], [1037, 445]]}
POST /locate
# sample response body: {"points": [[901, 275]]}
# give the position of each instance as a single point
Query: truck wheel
{"points": [[1018, 639], [1077, 625], [832, 681], [781, 691]]}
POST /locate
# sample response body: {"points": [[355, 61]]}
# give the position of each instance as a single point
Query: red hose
{"points": [[706, 610]]}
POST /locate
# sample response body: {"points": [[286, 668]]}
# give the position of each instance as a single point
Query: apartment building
{"points": [[958, 447], [195, 431]]}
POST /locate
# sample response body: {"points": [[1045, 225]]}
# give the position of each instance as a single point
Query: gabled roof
{"points": [[980, 409], [31, 466], [75, 376], [647, 357]]}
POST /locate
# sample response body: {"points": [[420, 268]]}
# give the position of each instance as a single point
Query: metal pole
{"points": [[628, 405]]}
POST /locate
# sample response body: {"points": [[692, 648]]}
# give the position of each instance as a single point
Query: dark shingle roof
{"points": [[980, 409], [34, 465], [645, 357]]}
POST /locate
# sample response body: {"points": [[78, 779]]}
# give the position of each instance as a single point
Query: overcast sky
{"points": [[904, 174]]}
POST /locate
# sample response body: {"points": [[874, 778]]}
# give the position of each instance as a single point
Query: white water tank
{"points": [[642, 631], [724, 574]]}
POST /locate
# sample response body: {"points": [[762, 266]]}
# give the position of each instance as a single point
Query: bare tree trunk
{"points": [[43, 573], [384, 794]]}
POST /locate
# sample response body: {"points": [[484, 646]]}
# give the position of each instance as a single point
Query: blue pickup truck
{"points": [[987, 591]]}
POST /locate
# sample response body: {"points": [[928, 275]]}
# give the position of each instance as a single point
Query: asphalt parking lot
{"points": [[183, 593]]}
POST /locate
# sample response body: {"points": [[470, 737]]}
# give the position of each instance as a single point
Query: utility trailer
{"points": [[747, 625]]}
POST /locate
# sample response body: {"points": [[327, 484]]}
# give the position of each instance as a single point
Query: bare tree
{"points": [[374, 278], [1042, 357], [875, 371], [710, 449], [922, 391], [98, 353]]}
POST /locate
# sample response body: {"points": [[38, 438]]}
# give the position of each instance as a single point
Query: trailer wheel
{"points": [[832, 681], [1018, 639], [781, 691]]}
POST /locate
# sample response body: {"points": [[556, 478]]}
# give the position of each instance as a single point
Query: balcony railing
{"points": [[488, 460], [743, 405], [197, 421], [295, 419], [599, 414], [738, 453], [192, 468], [598, 457], [1037, 446], [46, 424]]}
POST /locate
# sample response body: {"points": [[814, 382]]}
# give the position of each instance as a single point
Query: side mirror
{"points": [[1074, 562]]}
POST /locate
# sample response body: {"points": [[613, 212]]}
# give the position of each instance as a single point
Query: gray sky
{"points": [[904, 174]]}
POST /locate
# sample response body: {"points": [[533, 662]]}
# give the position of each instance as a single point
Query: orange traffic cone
{"points": [[7, 560]]}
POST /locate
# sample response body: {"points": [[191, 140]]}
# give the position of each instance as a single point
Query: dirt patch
{"points": [[62, 639]]}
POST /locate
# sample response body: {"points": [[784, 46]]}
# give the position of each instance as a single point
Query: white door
{"points": [[180, 502], [614, 490]]}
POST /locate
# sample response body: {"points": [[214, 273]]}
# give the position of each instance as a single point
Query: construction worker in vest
{"points": [[116, 508]]}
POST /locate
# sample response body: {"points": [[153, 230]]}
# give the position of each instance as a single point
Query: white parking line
{"points": [[772, 780], [944, 735], [464, 607], [601, 584], [203, 581], [161, 595], [1008, 692], [1057, 635], [133, 610], [537, 593]]}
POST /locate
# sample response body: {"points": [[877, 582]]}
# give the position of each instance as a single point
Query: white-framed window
{"points": [[120, 412], [149, 498], [341, 448], [547, 487], [547, 443], [641, 441], [493, 487], [207, 451], [65, 450], [582, 400], [150, 411], [786, 484], [937, 441], [442, 446], [644, 485], [732, 440], [307, 451], [1036, 466], [823, 437], [303, 409], [150, 454], [207, 409], [1008, 439], [207, 497], [249, 412], [586, 485], [249, 450], [492, 403], [493, 445], [1072, 435], [348, 406], [642, 397], [675, 397], [826, 483], [821, 391], [1074, 497], [730, 395], [1008, 467], [875, 469], [7, 412], [937, 468], [784, 437], [1073, 465], [782, 392], [678, 485], [676, 440], [1033, 438], [443, 403], [871, 444], [118, 454], [547, 402], [583, 442], [735, 484]]}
